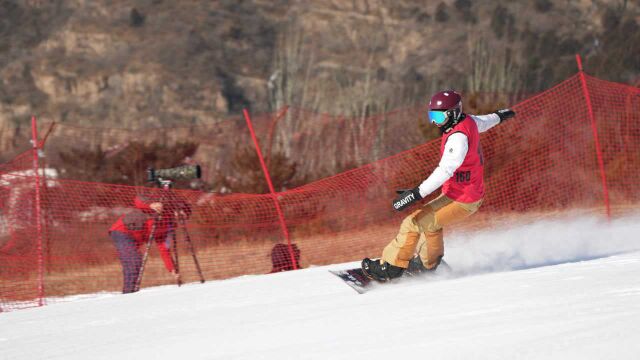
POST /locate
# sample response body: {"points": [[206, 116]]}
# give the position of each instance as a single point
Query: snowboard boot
{"points": [[416, 267], [380, 272]]}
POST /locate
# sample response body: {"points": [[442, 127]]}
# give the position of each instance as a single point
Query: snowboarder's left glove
{"points": [[405, 198], [505, 114]]}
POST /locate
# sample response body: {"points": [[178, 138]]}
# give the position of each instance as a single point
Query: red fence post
{"points": [[36, 168], [603, 177], [283, 224]]}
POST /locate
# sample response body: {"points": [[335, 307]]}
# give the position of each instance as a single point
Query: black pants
{"points": [[130, 259]]}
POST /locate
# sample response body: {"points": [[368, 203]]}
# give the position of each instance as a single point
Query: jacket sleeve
{"points": [[455, 150], [486, 122], [142, 202]]}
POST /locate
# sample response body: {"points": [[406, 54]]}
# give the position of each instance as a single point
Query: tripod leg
{"points": [[191, 248], [146, 255], [174, 247]]}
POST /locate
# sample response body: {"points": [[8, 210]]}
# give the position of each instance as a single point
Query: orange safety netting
{"points": [[544, 160]]}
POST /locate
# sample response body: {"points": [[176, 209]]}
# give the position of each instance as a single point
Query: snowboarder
{"points": [[460, 173]]}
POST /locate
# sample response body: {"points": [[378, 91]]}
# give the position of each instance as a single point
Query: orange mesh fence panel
{"points": [[18, 246], [616, 109], [544, 160]]}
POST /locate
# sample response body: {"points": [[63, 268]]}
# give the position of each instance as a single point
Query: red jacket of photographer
{"points": [[138, 224]]}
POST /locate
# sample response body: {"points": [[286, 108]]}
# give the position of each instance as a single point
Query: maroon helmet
{"points": [[444, 107]]}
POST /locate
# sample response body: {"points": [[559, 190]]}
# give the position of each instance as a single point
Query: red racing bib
{"points": [[467, 183]]}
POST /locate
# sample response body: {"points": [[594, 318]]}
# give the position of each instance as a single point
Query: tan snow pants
{"points": [[429, 220]]}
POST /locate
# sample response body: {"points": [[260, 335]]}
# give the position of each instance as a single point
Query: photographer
{"points": [[131, 231]]}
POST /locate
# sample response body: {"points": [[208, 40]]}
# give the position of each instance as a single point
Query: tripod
{"points": [[179, 219]]}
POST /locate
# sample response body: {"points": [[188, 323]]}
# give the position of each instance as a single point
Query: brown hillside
{"points": [[135, 64]]}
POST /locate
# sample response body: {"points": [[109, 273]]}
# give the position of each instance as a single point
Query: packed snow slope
{"points": [[546, 290]]}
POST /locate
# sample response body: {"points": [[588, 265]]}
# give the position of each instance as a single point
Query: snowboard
{"points": [[359, 282], [354, 278]]}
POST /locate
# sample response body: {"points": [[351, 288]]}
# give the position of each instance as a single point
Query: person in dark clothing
{"points": [[281, 258]]}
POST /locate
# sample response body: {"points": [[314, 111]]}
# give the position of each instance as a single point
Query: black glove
{"points": [[505, 114], [405, 198]]}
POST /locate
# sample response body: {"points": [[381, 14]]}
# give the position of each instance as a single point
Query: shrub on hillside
{"points": [[246, 175], [441, 13]]}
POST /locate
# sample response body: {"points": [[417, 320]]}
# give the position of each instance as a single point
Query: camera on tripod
{"points": [[165, 177], [173, 211]]}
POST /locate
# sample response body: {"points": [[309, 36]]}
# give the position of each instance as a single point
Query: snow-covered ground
{"points": [[564, 289]]}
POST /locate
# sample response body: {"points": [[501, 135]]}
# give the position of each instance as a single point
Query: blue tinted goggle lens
{"points": [[437, 117]]}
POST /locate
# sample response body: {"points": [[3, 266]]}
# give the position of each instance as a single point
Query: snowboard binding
{"points": [[381, 272]]}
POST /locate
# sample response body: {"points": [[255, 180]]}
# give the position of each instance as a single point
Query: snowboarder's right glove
{"points": [[505, 114], [405, 198]]}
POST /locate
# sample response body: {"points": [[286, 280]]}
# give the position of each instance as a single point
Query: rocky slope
{"points": [[147, 63]]}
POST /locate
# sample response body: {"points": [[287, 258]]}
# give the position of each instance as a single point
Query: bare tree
{"points": [[492, 70], [352, 93]]}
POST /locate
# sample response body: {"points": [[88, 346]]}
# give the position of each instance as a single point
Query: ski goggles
{"points": [[438, 117]]}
